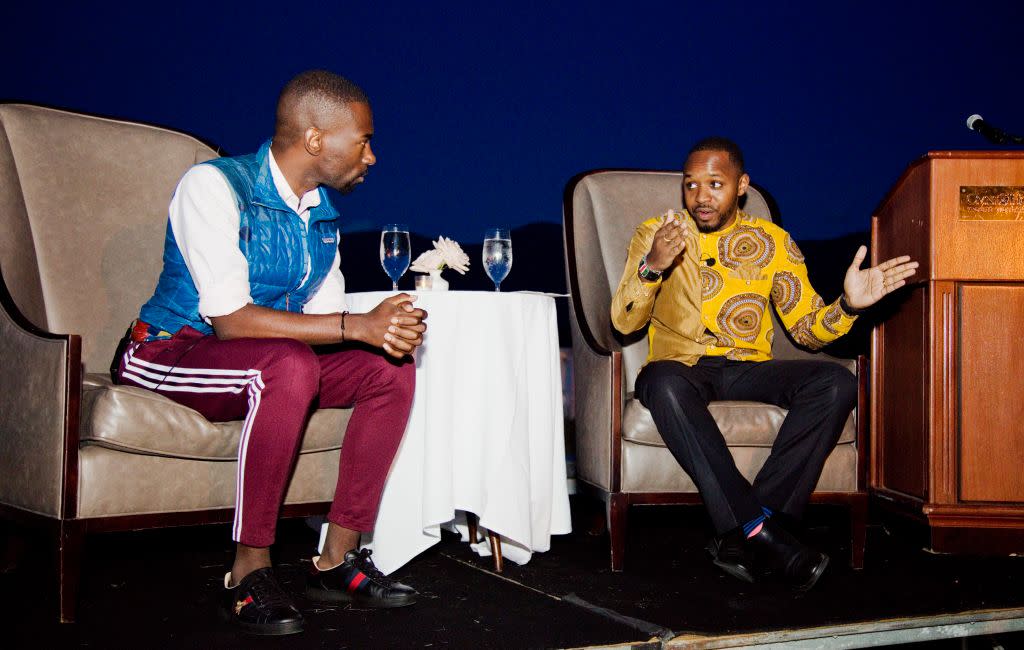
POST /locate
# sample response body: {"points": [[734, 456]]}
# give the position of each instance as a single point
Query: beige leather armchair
{"points": [[83, 211], [620, 456]]}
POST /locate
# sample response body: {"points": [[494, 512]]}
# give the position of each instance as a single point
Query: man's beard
{"points": [[348, 187], [718, 225]]}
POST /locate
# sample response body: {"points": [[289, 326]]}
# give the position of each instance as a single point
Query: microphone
{"points": [[991, 133]]}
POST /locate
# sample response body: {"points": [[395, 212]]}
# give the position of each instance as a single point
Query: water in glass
{"points": [[497, 255], [394, 251]]}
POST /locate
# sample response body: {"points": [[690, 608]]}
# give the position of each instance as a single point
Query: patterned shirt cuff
{"points": [[847, 309]]}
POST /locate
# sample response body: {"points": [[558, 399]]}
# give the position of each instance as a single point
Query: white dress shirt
{"points": [[205, 221]]}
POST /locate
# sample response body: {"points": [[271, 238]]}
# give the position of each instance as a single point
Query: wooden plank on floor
{"points": [[865, 634]]}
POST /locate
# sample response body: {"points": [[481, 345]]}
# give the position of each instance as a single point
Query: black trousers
{"points": [[818, 394]]}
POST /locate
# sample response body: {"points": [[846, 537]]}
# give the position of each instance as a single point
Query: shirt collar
{"points": [[735, 222], [310, 199]]}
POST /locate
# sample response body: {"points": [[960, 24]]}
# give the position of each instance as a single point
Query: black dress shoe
{"points": [[792, 525], [358, 581], [729, 553], [259, 605], [780, 556]]}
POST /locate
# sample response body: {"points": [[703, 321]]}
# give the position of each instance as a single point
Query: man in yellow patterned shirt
{"points": [[703, 280]]}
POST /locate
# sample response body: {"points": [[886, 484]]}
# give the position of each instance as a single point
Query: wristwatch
{"points": [[845, 306]]}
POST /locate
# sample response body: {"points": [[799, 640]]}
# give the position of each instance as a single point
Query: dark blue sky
{"points": [[484, 112]]}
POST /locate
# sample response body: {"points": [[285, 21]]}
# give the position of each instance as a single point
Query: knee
{"points": [[839, 385], [397, 379], [294, 365], [668, 391]]}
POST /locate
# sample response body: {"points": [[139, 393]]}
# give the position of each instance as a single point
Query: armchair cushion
{"points": [[132, 419], [116, 483], [743, 424]]}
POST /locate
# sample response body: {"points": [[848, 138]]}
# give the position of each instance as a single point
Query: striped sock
{"points": [[767, 512], [753, 526]]}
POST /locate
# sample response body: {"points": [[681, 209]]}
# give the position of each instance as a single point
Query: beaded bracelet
{"points": [[647, 273]]}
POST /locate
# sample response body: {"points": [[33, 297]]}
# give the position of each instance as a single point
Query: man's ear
{"points": [[743, 185], [313, 139]]}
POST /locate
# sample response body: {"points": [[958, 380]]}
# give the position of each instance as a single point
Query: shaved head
{"points": [[314, 98]]}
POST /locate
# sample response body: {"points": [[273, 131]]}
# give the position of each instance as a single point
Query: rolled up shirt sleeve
{"points": [[330, 297], [204, 219]]}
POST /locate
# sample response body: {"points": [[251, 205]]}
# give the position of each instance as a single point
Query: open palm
{"points": [[865, 287]]}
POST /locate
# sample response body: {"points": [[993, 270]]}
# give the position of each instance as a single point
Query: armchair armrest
{"points": [[598, 377], [40, 389]]}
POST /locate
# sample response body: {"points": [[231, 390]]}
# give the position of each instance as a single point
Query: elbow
{"points": [[226, 328], [224, 333], [624, 326], [238, 324], [626, 320]]}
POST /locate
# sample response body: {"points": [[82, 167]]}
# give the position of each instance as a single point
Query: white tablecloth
{"points": [[486, 430]]}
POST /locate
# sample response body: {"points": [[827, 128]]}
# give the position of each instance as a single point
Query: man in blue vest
{"points": [[251, 281]]}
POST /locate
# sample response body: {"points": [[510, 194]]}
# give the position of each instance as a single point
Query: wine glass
{"points": [[394, 251], [497, 254]]}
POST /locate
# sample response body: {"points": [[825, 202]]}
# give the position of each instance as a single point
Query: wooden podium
{"points": [[947, 365]]}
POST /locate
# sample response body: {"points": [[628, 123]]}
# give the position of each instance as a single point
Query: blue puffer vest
{"points": [[271, 236]]}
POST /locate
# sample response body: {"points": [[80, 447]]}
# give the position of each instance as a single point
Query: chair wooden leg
{"points": [[70, 536], [472, 521], [495, 539], [618, 508], [858, 530]]}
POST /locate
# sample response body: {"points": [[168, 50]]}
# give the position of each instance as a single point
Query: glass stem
{"points": [[394, 286], [497, 286]]}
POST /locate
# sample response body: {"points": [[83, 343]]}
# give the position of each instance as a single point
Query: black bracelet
{"points": [[343, 315], [845, 306]]}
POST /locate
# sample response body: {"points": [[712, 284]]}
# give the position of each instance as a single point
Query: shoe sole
{"points": [[265, 629], [335, 596], [817, 573], [734, 571]]}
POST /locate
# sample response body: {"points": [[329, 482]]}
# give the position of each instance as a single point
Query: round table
{"points": [[486, 432]]}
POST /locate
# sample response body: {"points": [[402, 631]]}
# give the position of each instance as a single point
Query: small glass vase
{"points": [[437, 283]]}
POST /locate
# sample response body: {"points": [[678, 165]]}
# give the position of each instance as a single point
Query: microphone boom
{"points": [[991, 133]]}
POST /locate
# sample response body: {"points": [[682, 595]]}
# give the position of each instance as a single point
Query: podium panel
{"points": [[991, 393], [979, 230], [947, 415], [903, 467]]}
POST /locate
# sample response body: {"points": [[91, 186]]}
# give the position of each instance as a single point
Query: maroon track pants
{"points": [[273, 385]]}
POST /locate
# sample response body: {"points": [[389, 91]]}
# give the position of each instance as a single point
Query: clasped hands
{"points": [[396, 326]]}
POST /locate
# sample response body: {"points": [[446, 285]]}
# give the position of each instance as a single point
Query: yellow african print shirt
{"points": [[715, 300]]}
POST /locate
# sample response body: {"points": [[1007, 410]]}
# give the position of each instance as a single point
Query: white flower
{"points": [[452, 254], [446, 254], [428, 261]]}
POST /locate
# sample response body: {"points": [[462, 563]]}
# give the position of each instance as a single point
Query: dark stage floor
{"points": [[158, 589]]}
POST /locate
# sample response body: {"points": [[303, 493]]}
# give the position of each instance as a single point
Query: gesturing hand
{"points": [[865, 287], [396, 326], [669, 241]]}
